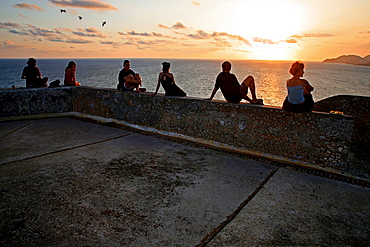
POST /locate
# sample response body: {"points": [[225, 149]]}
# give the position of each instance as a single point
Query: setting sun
{"points": [[270, 21], [268, 25]]}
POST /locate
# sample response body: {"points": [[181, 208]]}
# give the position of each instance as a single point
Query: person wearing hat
{"points": [[33, 75], [167, 80]]}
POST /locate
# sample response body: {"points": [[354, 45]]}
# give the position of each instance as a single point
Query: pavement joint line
{"points": [[66, 149], [230, 217], [11, 132]]}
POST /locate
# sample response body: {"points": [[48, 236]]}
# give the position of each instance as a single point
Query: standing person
{"points": [[70, 75], [232, 90], [167, 80], [299, 97], [33, 75], [128, 80]]}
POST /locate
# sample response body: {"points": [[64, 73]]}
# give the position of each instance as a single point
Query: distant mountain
{"points": [[350, 59]]}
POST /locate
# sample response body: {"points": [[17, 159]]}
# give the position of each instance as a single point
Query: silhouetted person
{"points": [[167, 80], [33, 75], [231, 89], [299, 97]]}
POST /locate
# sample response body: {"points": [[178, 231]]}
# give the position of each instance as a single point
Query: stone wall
{"points": [[359, 108], [314, 139], [25, 102]]}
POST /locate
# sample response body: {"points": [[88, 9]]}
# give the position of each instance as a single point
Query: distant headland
{"points": [[350, 59]]}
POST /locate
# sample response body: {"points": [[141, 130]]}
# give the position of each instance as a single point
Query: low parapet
{"points": [[316, 139]]}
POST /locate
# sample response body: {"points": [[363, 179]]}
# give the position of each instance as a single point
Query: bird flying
{"points": [[80, 17], [104, 22], [63, 11]]}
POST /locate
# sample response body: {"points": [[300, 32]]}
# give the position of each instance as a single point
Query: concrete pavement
{"points": [[68, 182]]}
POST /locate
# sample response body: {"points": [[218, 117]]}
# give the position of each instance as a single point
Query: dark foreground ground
{"points": [[68, 182]]}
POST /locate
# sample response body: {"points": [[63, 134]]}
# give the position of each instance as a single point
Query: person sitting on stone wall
{"points": [[33, 75], [167, 80], [128, 80], [70, 74], [232, 90], [299, 97]]}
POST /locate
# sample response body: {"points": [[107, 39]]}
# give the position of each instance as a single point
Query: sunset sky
{"points": [[310, 30]]}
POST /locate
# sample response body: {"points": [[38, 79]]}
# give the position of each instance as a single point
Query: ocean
{"points": [[197, 77]]}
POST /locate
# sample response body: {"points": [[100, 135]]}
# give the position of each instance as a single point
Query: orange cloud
{"points": [[312, 35], [86, 4], [177, 25], [291, 41], [27, 6], [196, 3], [10, 44], [89, 32], [200, 34], [264, 41]]}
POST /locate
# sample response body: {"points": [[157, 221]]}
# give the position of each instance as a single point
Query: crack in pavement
{"points": [[230, 217], [15, 130], [66, 149]]}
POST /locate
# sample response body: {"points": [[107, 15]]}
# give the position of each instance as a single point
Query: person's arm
{"points": [[213, 93], [217, 86], [308, 88], [24, 73], [73, 75], [39, 72]]}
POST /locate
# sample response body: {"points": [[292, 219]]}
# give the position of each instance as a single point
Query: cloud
{"points": [[9, 44], [312, 35], [27, 6], [40, 31], [30, 30], [9, 24], [291, 41], [86, 4], [264, 41], [110, 43], [19, 32], [163, 26], [78, 41], [145, 34], [200, 34], [55, 35], [196, 3], [89, 32], [132, 32], [178, 25]]}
